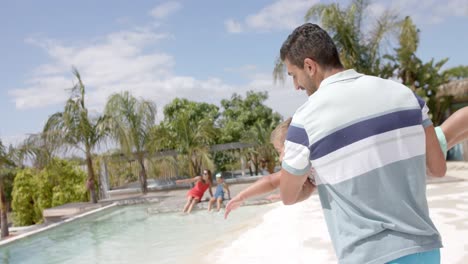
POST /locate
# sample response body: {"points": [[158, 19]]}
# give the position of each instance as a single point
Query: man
{"points": [[368, 141]]}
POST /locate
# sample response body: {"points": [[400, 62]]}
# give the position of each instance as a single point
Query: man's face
{"points": [[302, 79]]}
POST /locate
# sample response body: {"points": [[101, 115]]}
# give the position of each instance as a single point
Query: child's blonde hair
{"points": [[280, 132]]}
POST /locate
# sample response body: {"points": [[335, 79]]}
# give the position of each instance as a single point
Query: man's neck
{"points": [[327, 73], [331, 72]]}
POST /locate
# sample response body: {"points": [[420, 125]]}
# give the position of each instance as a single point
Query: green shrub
{"points": [[60, 182], [23, 203]]}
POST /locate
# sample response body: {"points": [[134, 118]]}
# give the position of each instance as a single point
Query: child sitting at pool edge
{"points": [[218, 197]]}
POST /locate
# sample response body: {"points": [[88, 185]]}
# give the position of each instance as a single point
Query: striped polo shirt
{"points": [[364, 138]]}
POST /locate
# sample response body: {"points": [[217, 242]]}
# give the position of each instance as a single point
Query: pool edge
{"points": [[68, 220]]}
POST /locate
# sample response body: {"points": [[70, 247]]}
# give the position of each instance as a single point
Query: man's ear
{"points": [[310, 66]]}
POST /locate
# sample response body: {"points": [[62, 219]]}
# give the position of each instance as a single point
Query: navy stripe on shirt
{"points": [[365, 129], [297, 135], [420, 101]]}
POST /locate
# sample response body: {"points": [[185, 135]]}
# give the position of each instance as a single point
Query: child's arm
{"points": [[211, 192], [455, 128], [263, 185], [274, 197], [194, 179]]}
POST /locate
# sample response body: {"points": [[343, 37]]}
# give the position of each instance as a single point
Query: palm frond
{"points": [[315, 12], [279, 72], [131, 121]]}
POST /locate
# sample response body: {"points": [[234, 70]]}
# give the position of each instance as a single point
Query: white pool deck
{"points": [[298, 233]]}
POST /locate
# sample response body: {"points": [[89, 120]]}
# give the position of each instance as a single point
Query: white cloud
{"points": [[288, 14], [425, 12], [14, 140], [280, 15], [248, 70], [123, 61], [233, 26], [164, 10], [128, 60], [42, 92], [375, 10], [104, 65]]}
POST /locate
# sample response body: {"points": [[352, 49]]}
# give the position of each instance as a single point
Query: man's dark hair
{"points": [[310, 41]]}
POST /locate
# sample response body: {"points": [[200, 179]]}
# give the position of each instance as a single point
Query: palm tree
{"points": [[423, 78], [131, 122], [6, 167], [263, 152], [36, 148], [192, 141], [75, 129], [358, 49], [160, 140]]}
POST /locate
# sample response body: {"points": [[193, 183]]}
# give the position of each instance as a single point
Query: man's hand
{"points": [[307, 189], [233, 204], [291, 187]]}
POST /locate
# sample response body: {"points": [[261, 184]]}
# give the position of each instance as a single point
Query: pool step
{"points": [[59, 213]]}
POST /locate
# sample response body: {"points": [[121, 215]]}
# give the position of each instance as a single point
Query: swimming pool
{"points": [[132, 234]]}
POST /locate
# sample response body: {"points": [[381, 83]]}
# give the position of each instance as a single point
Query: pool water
{"points": [[132, 234]]}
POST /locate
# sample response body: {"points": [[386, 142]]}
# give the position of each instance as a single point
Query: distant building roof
{"points": [[457, 89]]}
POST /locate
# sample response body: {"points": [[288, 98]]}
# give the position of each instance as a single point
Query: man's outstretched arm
{"points": [[294, 188], [435, 160]]}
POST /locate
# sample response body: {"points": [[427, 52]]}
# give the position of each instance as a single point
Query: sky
{"points": [[203, 50]]}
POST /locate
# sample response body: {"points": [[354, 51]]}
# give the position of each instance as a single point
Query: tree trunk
{"points": [[194, 163], [104, 180], [143, 181], [3, 211], [242, 161], [198, 166], [176, 163], [90, 184], [271, 164], [255, 163]]}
